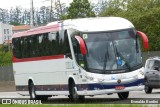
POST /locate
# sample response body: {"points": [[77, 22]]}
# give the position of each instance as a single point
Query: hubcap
{"points": [[32, 92], [74, 92]]}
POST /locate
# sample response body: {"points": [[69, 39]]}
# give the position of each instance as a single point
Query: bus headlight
{"points": [[95, 80], [141, 72]]}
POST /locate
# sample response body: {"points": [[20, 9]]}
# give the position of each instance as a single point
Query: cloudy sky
{"points": [[7, 4]]}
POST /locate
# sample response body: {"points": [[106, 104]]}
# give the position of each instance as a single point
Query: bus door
{"points": [[79, 57]]}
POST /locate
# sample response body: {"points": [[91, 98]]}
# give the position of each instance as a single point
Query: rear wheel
{"points": [[147, 89], [33, 95], [123, 95]]}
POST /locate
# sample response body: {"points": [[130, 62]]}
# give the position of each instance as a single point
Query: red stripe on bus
{"points": [[15, 60]]}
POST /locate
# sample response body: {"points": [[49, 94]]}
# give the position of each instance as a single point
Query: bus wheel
{"points": [[74, 97], [147, 89], [32, 93], [123, 95], [73, 92]]}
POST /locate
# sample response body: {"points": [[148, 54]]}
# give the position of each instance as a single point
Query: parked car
{"points": [[152, 74]]}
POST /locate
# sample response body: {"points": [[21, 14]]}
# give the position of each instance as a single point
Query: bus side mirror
{"points": [[81, 44], [144, 39]]}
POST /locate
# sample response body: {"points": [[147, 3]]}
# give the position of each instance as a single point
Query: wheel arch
{"points": [[71, 79], [30, 80]]}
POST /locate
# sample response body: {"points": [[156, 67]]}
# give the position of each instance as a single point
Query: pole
{"points": [[50, 16], [31, 15]]}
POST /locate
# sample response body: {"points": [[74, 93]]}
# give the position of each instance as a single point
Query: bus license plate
{"points": [[119, 87]]}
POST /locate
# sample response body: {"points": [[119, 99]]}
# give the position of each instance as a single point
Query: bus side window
{"points": [[16, 47], [46, 42], [66, 47], [32, 46], [52, 38], [24, 47]]}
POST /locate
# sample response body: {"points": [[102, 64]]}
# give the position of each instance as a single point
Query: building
{"points": [[5, 33], [20, 28]]}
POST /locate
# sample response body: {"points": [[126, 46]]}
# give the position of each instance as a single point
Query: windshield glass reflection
{"points": [[112, 51]]}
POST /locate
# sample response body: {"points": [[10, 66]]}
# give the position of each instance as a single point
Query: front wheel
{"points": [[74, 97], [123, 95], [147, 89]]}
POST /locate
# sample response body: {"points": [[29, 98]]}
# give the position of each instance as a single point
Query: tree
{"points": [[99, 6], [14, 23], [4, 15], [80, 9], [144, 14]]}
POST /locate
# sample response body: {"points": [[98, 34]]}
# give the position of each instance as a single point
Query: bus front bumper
{"points": [[108, 91]]}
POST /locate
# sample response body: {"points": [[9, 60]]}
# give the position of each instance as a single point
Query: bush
{"points": [[5, 56]]}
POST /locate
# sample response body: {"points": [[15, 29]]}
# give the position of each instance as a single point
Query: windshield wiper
{"points": [[121, 56], [105, 60]]}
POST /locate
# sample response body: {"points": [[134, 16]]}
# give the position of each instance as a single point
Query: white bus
{"points": [[78, 58]]}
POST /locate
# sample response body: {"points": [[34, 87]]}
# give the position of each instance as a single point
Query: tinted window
{"points": [[17, 47], [150, 64], [46, 44]]}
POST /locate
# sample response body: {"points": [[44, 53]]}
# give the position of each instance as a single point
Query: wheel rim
{"points": [[33, 96], [75, 92]]}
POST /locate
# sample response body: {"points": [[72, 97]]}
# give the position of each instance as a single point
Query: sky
{"points": [[7, 4]]}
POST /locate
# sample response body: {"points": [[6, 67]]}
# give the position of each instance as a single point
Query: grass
{"points": [[79, 105]]}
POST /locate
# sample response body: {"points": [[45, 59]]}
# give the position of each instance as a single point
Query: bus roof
{"points": [[99, 24], [83, 24]]}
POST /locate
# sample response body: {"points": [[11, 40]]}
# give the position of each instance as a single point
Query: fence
{"points": [[7, 79], [6, 73]]}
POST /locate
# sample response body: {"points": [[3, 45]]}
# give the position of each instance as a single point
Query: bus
{"points": [[78, 58]]}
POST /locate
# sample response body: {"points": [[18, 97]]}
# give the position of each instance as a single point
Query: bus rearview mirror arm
{"points": [[144, 39], [81, 44]]}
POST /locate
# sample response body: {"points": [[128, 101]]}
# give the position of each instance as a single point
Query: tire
{"points": [[74, 97], [32, 93], [147, 89], [123, 95], [42, 97]]}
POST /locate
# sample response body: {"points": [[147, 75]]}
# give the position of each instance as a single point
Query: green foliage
{"points": [[80, 9], [5, 56], [14, 23], [144, 14], [63, 17]]}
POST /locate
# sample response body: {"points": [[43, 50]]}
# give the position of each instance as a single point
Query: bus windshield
{"points": [[112, 52]]}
